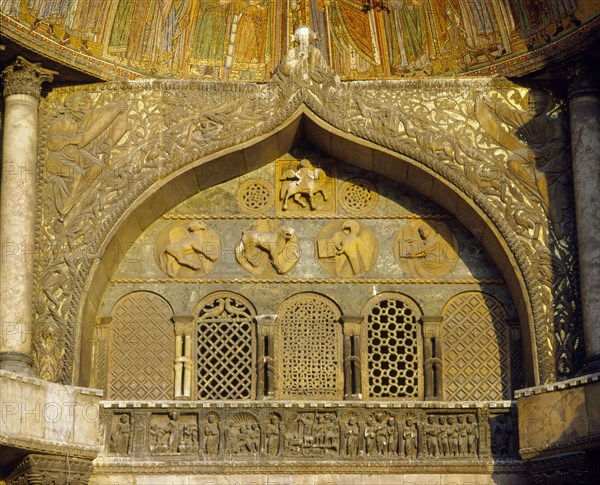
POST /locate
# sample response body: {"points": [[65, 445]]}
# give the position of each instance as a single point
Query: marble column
{"points": [[183, 365], [352, 326], [22, 87], [432, 328], [584, 114], [266, 356]]}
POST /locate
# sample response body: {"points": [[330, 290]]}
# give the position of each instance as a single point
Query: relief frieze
{"points": [[429, 435]]}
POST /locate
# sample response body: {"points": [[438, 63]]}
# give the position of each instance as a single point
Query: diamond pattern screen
{"points": [[475, 349], [142, 346], [393, 350], [226, 342]]}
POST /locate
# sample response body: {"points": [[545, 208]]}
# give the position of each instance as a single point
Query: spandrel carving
{"points": [[79, 142], [346, 248], [426, 249], [268, 248], [536, 140], [189, 249], [165, 129]]}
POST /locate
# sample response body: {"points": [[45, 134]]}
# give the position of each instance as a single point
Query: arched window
{"points": [[392, 348], [226, 347], [308, 348]]}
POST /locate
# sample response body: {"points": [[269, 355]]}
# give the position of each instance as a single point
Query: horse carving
{"points": [[307, 181]]}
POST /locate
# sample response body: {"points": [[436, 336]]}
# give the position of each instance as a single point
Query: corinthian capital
{"points": [[24, 77]]}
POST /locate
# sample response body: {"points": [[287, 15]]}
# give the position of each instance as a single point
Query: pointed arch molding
{"points": [[113, 157]]}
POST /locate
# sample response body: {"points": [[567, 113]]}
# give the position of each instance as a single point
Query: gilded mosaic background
{"points": [[246, 39]]}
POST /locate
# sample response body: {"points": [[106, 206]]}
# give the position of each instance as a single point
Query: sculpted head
{"points": [[303, 35], [537, 102]]}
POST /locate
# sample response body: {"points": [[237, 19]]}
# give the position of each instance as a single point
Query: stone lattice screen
{"points": [[141, 349], [475, 349], [226, 343], [393, 349], [308, 349]]}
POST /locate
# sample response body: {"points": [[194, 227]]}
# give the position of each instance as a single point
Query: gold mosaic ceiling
{"points": [[246, 39]]}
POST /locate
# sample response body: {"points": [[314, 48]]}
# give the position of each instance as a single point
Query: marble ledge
{"points": [[306, 404], [558, 386], [36, 381]]}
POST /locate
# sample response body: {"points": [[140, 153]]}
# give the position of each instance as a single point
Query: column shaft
{"points": [[22, 86], [584, 112], [17, 206]]}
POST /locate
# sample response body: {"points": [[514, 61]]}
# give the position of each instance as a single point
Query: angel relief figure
{"points": [[79, 141], [349, 250], [426, 250], [535, 137], [190, 249]]}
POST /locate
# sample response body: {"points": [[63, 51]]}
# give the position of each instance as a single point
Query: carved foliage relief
{"points": [[101, 148]]}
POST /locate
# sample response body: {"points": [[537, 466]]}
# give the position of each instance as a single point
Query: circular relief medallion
{"points": [[346, 248], [187, 249], [426, 249], [268, 248], [255, 196], [358, 196]]}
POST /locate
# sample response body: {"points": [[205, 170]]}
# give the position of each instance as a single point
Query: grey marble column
{"points": [[584, 113], [22, 86]]}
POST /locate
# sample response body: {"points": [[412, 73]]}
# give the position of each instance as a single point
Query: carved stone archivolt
{"points": [[426, 249], [346, 248], [167, 128], [189, 249], [268, 248]]}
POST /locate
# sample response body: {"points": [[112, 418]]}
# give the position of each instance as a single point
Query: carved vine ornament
{"points": [[102, 146]]}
